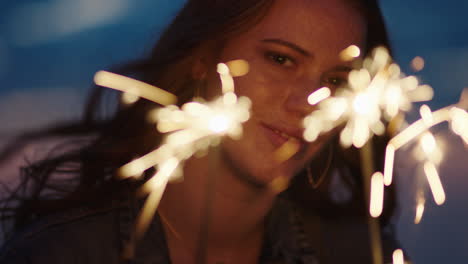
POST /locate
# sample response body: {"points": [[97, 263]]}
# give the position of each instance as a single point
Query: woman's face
{"points": [[293, 51]]}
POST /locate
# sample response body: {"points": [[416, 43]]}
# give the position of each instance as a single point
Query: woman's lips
{"points": [[278, 137]]}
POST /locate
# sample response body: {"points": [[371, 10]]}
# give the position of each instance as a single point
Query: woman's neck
{"points": [[213, 204]]}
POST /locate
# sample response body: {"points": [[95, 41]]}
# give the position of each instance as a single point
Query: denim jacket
{"points": [[96, 236]]}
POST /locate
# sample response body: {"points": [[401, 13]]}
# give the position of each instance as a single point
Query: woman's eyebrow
{"points": [[341, 68], [289, 45]]}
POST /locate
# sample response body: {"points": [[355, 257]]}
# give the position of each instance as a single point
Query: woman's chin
{"points": [[272, 177]]}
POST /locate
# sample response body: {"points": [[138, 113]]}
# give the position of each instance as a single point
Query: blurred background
{"points": [[50, 50]]}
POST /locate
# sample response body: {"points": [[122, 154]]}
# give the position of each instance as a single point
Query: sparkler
{"points": [[376, 94], [194, 127], [380, 92], [428, 151]]}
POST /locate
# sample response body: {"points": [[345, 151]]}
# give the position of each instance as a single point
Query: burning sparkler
{"points": [[377, 92], [194, 127], [380, 92]]}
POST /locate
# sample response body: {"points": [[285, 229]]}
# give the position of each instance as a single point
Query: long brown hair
{"points": [[201, 26]]}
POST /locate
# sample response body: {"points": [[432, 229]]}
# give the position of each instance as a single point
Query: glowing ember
{"points": [[417, 64], [398, 257], [389, 160], [435, 183], [287, 150], [377, 195], [459, 124], [238, 67], [319, 95], [350, 53], [135, 88], [419, 209]]}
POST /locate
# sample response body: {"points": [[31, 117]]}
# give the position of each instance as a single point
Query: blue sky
{"points": [[50, 49]]}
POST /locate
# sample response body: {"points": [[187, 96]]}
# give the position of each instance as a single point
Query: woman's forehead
{"points": [[300, 21]]}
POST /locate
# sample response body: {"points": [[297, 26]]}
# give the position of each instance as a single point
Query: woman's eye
{"points": [[335, 81], [280, 59]]}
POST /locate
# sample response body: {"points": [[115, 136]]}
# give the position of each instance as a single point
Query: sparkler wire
{"points": [[195, 126], [366, 155]]}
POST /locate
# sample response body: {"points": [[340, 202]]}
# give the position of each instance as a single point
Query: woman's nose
{"points": [[296, 102]]}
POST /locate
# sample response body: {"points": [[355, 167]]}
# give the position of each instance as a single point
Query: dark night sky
{"points": [[50, 49]]}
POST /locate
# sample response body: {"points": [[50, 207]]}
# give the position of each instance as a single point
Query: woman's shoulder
{"points": [[340, 238], [87, 235], [81, 235]]}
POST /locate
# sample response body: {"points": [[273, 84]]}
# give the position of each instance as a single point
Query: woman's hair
{"points": [[201, 27]]}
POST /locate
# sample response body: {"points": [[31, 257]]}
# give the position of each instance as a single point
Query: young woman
{"points": [[292, 47]]}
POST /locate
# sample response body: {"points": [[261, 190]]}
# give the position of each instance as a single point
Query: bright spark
{"points": [[428, 143], [389, 161], [426, 115], [319, 95], [134, 87], [434, 183], [219, 124], [418, 127], [417, 64], [226, 78], [419, 209], [398, 257], [350, 53], [428, 149], [376, 195], [238, 68], [459, 124], [286, 151]]}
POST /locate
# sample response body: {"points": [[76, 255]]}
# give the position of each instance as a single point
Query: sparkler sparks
{"points": [[417, 64], [194, 127], [458, 120], [419, 209], [377, 91], [135, 88], [388, 169], [286, 151], [398, 257], [459, 124], [350, 53], [319, 95], [377, 195], [434, 182]]}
